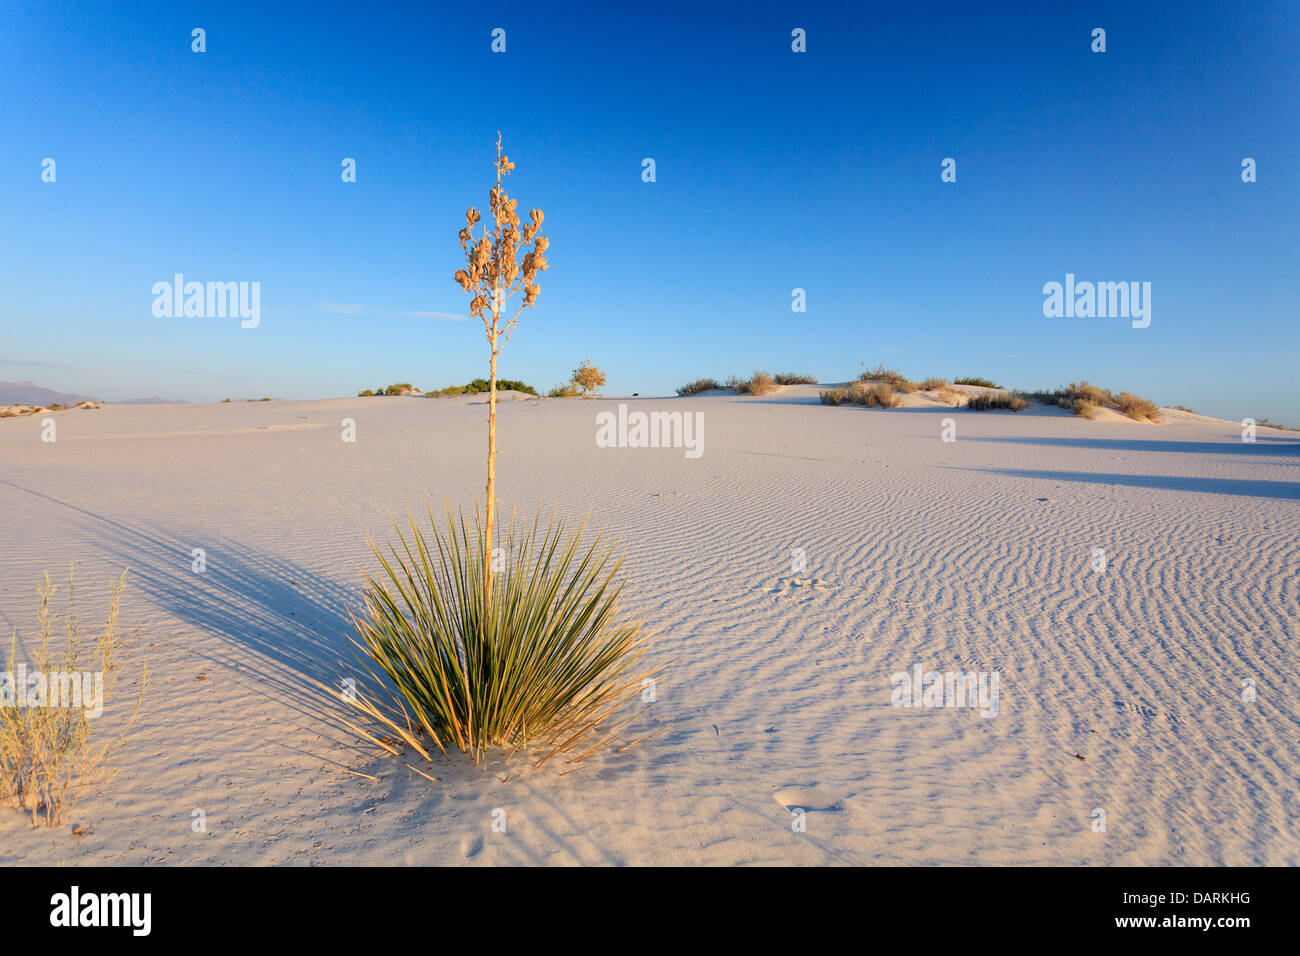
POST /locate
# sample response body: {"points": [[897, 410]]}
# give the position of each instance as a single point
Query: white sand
{"points": [[972, 555]]}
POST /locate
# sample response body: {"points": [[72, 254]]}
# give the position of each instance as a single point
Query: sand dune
{"points": [[965, 556]]}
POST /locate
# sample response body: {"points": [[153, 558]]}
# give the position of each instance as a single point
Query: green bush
{"points": [[479, 385]]}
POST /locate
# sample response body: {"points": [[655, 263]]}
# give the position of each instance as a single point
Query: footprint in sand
{"points": [[1143, 709], [471, 848], [809, 797], [799, 585]]}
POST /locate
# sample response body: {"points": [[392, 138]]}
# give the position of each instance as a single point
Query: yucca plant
{"points": [[541, 668], [517, 647]]}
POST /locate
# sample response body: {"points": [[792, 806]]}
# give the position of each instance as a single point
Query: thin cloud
{"points": [[348, 308], [344, 308]]}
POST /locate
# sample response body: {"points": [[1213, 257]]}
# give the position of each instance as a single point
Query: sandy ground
{"points": [[970, 555]]}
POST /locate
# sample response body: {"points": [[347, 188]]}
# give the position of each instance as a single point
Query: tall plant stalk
{"points": [[499, 264]]}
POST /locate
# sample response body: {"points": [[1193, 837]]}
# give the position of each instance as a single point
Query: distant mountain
{"points": [[29, 393]]}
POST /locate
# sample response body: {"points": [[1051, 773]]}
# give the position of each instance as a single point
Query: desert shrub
{"points": [[760, 383], [699, 385], [1263, 422], [933, 384], [224, 401], [587, 379], [539, 668], [47, 757], [563, 391], [873, 395], [365, 393], [1084, 408], [479, 385], [1059, 398], [998, 401], [981, 382], [835, 396], [1137, 408], [881, 374], [1090, 393], [794, 378], [514, 385]]}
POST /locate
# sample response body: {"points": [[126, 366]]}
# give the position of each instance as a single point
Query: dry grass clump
{"points": [[891, 376], [563, 391], [949, 396], [699, 385], [998, 401], [1090, 393], [933, 384], [760, 383], [1060, 398], [873, 395], [1137, 408], [540, 668], [47, 758], [867, 394], [981, 382], [1085, 399], [1263, 422], [794, 378]]}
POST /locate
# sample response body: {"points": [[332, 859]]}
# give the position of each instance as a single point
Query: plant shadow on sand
{"points": [[290, 615], [1263, 446], [294, 619], [1281, 490]]}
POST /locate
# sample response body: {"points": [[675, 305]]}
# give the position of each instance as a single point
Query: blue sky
{"points": [[775, 170]]}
